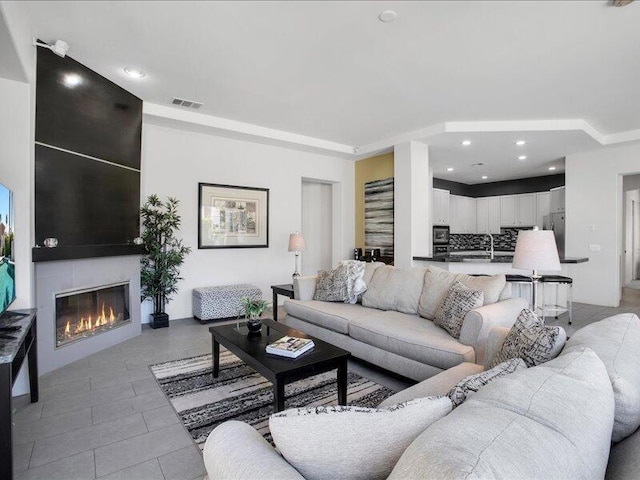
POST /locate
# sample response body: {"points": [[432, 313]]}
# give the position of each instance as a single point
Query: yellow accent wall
{"points": [[368, 170]]}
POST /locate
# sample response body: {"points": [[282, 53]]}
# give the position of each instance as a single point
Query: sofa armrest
{"points": [[479, 322], [304, 288], [235, 450]]}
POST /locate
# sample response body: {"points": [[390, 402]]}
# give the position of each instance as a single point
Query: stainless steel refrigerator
{"points": [[555, 222]]}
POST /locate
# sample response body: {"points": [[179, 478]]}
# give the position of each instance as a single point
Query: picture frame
{"points": [[231, 216]]}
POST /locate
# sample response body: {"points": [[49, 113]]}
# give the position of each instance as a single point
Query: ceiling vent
{"points": [[181, 102], [479, 164]]}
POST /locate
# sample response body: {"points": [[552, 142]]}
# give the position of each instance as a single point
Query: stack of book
{"points": [[290, 347]]}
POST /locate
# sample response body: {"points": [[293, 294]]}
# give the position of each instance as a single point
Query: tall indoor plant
{"points": [[164, 253]]}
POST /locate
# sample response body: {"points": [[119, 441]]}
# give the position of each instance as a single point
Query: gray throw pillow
{"points": [[459, 301], [471, 384], [352, 443], [342, 284], [531, 340]]}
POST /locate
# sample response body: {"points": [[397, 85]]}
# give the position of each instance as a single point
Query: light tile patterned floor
{"points": [[105, 416]]}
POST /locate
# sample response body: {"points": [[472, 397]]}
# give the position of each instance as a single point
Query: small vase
{"points": [[254, 324]]}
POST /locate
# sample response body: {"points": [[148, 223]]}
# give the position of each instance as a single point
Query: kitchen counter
{"points": [[501, 257]]}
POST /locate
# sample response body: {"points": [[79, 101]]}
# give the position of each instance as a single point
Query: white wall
{"points": [[175, 160], [317, 227], [594, 217]]}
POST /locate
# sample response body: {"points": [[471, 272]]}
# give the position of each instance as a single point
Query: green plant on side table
{"points": [[253, 308], [164, 253]]}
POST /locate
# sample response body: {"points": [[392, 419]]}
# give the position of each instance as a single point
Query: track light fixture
{"points": [[60, 48]]}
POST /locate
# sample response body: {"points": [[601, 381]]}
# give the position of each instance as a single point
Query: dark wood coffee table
{"points": [[279, 370]]}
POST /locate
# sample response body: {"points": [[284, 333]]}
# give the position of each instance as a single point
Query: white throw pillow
{"points": [[352, 443], [393, 288]]}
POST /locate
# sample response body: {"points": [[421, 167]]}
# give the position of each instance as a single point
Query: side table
{"points": [[284, 289]]}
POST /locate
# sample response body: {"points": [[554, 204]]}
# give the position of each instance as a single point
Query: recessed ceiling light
{"points": [[520, 143], [387, 16], [134, 72], [484, 177], [552, 168], [466, 143], [450, 169], [72, 80], [522, 157]]}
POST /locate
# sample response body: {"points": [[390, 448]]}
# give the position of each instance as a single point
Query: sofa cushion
{"points": [[551, 421], [412, 337], [624, 461], [437, 283], [369, 270], [459, 301], [394, 288], [437, 385], [333, 316], [531, 340], [473, 383], [616, 340], [352, 442]]}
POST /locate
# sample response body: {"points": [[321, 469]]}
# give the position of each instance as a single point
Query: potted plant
{"points": [[164, 254], [253, 308]]}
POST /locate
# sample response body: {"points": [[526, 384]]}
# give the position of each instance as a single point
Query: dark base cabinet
{"points": [[159, 320], [13, 353]]}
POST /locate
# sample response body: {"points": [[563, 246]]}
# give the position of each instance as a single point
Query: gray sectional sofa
{"points": [[553, 421], [393, 325]]}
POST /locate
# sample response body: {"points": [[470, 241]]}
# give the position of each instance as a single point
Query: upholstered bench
{"points": [[222, 301]]}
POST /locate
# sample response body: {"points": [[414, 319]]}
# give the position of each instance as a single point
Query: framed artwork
{"points": [[232, 217]]}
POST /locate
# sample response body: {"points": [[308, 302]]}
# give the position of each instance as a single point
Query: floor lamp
{"points": [[296, 245], [536, 250]]}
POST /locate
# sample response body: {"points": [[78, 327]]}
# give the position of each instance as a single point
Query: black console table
{"points": [[13, 352], [286, 290]]}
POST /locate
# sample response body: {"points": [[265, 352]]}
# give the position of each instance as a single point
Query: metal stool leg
{"points": [[557, 300], [544, 301], [570, 295]]}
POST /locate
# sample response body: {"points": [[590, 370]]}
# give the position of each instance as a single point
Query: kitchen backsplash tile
{"points": [[505, 241]]}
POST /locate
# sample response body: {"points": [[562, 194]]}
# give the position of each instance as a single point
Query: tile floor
{"points": [[105, 416]]}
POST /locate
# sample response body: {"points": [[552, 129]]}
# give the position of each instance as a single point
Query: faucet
{"points": [[491, 237]]}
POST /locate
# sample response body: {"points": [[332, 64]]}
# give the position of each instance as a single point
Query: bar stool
{"points": [[520, 280], [557, 280]]}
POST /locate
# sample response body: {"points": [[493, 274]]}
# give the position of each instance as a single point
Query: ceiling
{"points": [[333, 71]]}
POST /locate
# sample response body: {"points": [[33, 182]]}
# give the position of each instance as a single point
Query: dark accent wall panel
{"points": [[84, 202], [96, 117], [507, 187]]}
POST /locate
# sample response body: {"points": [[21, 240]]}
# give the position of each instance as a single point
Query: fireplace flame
{"points": [[88, 324]]}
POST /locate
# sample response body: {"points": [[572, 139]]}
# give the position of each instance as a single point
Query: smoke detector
{"points": [[181, 102]]}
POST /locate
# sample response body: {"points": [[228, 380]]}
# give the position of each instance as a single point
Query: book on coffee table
{"points": [[290, 347]]}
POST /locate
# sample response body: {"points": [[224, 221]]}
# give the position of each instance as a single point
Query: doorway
{"points": [[631, 231], [317, 226]]}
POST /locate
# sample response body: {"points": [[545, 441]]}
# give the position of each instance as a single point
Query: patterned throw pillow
{"points": [[351, 442], [529, 339], [470, 385], [459, 301], [342, 284]]}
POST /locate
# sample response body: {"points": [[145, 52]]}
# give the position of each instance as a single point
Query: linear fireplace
{"points": [[84, 313]]}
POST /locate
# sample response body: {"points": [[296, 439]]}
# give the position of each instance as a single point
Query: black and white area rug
{"points": [[239, 393]]}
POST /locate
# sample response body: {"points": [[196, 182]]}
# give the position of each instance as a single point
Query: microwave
{"points": [[440, 235]]}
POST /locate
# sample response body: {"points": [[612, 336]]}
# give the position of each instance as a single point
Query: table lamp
{"points": [[536, 250], [296, 245]]}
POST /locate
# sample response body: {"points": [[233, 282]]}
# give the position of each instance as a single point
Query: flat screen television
{"points": [[7, 255]]}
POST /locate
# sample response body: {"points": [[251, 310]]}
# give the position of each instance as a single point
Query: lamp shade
{"points": [[296, 242], [536, 250]]}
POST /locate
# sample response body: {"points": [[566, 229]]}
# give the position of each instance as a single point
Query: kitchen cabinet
{"points": [[557, 200], [518, 210], [494, 215], [543, 207], [482, 215], [462, 213], [440, 206]]}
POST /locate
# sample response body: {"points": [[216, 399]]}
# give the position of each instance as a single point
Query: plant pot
{"points": [[159, 320], [254, 325]]}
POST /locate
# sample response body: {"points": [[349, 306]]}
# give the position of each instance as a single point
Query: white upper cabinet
{"points": [[518, 210], [526, 209], [557, 200], [440, 207], [508, 211], [482, 215], [494, 214], [462, 213], [543, 202]]}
